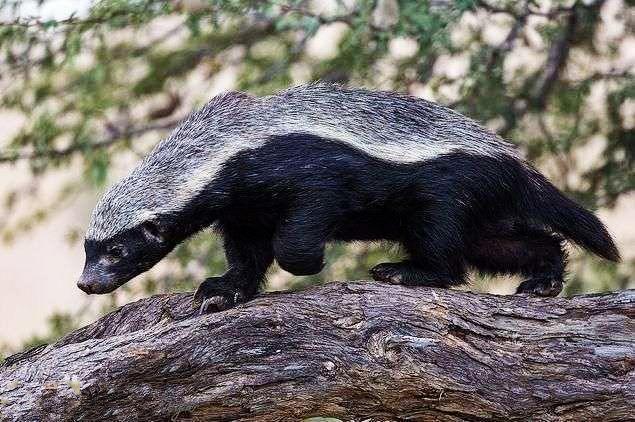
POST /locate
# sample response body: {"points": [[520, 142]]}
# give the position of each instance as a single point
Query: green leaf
{"points": [[97, 170]]}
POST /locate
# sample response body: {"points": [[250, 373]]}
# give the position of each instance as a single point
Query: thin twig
{"points": [[556, 60], [348, 18], [510, 39]]}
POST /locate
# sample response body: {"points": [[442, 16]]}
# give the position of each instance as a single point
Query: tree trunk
{"points": [[360, 350]]}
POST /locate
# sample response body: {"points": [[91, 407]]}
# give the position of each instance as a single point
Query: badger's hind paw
{"points": [[215, 295], [388, 273], [543, 286], [409, 274]]}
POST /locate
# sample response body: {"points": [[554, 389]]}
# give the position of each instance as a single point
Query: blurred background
{"points": [[88, 87]]}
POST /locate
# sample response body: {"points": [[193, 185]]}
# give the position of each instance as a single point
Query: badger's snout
{"points": [[96, 287], [95, 282], [85, 285]]}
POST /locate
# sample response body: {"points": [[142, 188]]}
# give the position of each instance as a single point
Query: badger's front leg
{"points": [[248, 257]]}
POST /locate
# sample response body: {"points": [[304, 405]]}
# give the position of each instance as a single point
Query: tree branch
{"points": [[347, 350], [115, 137], [556, 60]]}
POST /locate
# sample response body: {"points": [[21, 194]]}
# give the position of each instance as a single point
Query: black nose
{"points": [[85, 286]]}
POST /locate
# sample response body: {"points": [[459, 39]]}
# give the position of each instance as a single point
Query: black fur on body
{"points": [[288, 198]]}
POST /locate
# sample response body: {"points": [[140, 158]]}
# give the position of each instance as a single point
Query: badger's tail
{"points": [[566, 217]]}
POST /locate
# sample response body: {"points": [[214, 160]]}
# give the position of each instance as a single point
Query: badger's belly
{"points": [[368, 225]]}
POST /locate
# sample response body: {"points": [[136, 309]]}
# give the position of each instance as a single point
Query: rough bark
{"points": [[348, 350]]}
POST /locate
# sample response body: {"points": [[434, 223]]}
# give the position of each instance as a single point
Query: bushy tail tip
{"points": [[571, 220]]}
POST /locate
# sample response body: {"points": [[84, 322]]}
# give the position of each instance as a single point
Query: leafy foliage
{"points": [[91, 87]]}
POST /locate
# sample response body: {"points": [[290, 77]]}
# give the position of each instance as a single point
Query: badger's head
{"points": [[172, 194], [129, 232], [113, 261], [137, 222]]}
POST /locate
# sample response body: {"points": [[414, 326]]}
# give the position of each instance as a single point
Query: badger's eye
{"points": [[115, 253]]}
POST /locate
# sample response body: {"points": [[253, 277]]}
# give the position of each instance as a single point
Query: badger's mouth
{"points": [[99, 284]]}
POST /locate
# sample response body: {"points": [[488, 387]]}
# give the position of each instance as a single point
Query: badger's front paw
{"points": [[215, 294], [546, 287]]}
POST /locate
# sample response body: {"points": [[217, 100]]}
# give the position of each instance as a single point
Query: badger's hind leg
{"points": [[533, 253], [436, 260], [248, 258]]}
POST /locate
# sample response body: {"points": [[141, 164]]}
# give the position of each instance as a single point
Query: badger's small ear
{"points": [[152, 231]]}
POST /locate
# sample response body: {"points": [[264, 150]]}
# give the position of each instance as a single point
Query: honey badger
{"points": [[280, 176]]}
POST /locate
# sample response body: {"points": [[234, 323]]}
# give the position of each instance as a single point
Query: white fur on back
{"points": [[384, 125]]}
